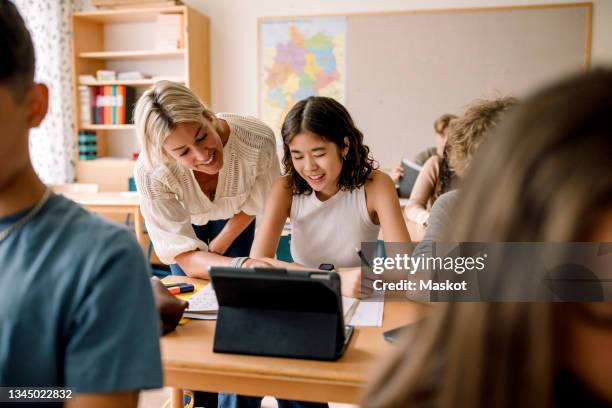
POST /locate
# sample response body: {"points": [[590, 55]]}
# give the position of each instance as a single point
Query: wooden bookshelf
{"points": [[131, 82], [124, 40], [137, 55]]}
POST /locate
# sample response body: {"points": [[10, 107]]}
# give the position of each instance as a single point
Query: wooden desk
{"points": [[189, 362], [113, 203]]}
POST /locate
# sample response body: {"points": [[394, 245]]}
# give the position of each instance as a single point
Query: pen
{"points": [[181, 289], [363, 258]]}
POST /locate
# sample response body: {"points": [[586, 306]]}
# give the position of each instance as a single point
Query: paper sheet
{"points": [[368, 313]]}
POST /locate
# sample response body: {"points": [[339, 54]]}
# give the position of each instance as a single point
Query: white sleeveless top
{"points": [[329, 231]]}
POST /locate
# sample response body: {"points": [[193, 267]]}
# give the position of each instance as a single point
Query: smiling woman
{"points": [[202, 178]]}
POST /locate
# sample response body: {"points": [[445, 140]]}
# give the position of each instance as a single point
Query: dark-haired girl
{"points": [[332, 192]]}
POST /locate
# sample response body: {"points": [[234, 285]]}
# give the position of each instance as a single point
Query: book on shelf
{"points": [[85, 104], [88, 145], [131, 76], [108, 104], [106, 75]]}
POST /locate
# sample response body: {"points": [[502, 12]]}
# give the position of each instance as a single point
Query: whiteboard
{"points": [[404, 69]]}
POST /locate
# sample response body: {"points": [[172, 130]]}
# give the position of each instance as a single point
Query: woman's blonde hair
{"points": [[158, 111], [469, 131]]}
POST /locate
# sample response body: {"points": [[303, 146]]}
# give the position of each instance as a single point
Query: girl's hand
{"points": [[352, 284], [397, 173]]}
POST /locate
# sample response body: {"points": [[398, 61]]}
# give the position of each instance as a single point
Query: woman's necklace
{"points": [[27, 217]]}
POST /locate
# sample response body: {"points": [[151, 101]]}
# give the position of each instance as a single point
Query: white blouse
{"points": [[171, 199]]}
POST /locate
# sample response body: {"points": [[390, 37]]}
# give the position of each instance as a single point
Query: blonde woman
{"points": [[202, 178]]}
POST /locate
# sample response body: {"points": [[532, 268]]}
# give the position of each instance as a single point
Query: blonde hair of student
{"points": [[157, 113], [465, 134], [545, 177]]}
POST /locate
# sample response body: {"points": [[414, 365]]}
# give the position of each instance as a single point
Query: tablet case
{"points": [[275, 312]]}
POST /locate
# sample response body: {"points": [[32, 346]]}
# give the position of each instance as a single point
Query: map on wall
{"points": [[299, 58]]}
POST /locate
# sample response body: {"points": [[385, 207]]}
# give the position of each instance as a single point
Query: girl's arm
{"points": [[278, 206], [382, 200], [424, 188], [234, 227]]}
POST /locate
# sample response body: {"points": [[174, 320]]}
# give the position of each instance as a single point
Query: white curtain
{"points": [[52, 144]]}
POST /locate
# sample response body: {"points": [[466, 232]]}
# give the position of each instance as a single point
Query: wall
{"points": [[234, 34]]}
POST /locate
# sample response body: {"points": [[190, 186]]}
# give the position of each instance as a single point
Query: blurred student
{"points": [[76, 309], [465, 135], [335, 197], [441, 134], [435, 178], [545, 178]]}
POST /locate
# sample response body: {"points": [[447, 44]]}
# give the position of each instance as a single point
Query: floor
{"points": [[157, 399]]}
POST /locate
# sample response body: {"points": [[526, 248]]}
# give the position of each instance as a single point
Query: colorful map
{"points": [[298, 59]]}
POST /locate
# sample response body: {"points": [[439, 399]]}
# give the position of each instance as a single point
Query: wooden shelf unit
{"points": [[132, 82], [123, 40], [137, 54]]}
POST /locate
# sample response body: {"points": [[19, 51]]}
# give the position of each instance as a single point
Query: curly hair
{"points": [[467, 132], [331, 121]]}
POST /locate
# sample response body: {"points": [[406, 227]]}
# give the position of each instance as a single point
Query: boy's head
{"points": [[23, 104]]}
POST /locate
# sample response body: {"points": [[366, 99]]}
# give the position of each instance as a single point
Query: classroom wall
{"points": [[234, 35]]}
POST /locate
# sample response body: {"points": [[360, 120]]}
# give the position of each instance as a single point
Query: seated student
{"points": [[465, 136], [76, 308], [331, 191], [440, 176], [554, 184], [441, 129]]}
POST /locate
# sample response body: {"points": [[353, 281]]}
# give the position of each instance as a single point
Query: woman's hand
{"points": [[256, 263], [219, 246]]}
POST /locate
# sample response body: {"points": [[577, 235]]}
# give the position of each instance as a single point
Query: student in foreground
{"points": [[554, 184], [335, 197], [76, 306]]}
